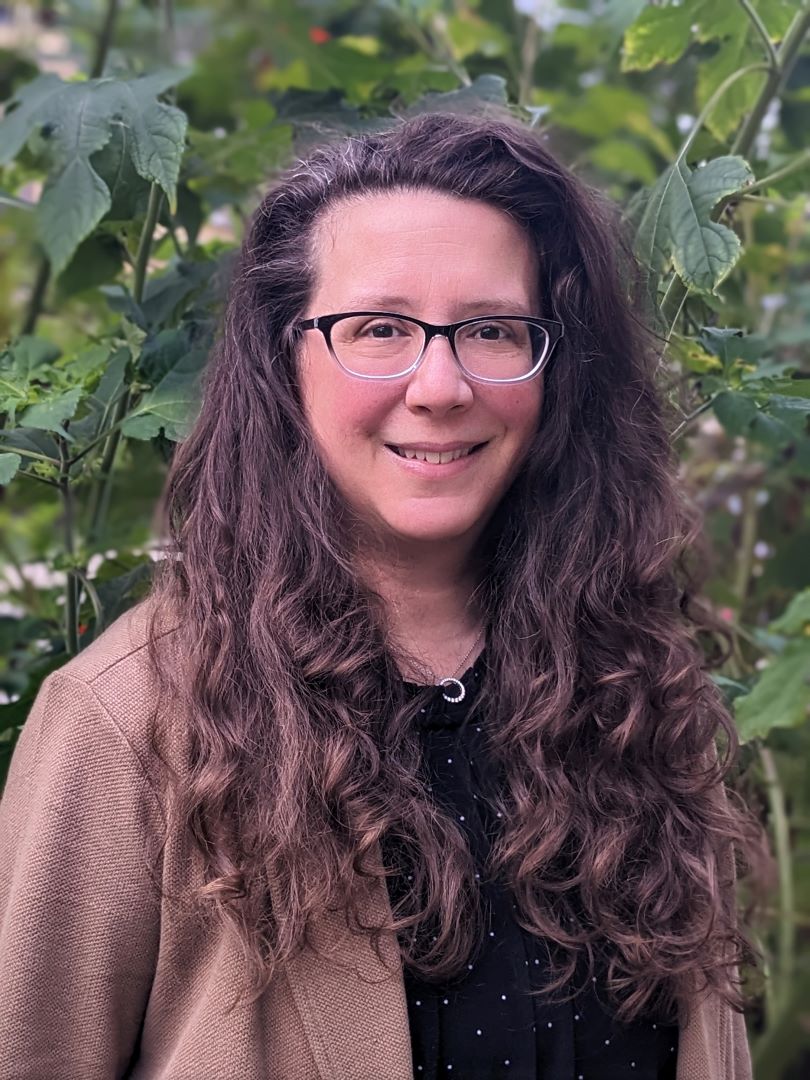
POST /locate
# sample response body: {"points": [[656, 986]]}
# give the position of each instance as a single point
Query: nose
{"points": [[438, 385]]}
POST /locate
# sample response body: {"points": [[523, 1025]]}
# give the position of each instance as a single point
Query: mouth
{"points": [[435, 457]]}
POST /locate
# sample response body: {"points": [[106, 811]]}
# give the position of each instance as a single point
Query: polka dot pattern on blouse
{"points": [[486, 1024]]}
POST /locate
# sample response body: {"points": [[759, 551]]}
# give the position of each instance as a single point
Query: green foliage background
{"points": [[137, 138]]}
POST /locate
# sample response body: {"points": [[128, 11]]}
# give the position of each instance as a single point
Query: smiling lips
{"points": [[433, 453]]}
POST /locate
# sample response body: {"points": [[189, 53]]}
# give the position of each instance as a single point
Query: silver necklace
{"points": [[452, 681]]}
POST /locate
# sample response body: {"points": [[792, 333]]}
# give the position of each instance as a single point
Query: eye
{"points": [[370, 330], [492, 329], [382, 331]]}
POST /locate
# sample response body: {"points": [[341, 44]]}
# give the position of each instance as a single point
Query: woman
{"points": [[407, 765]]}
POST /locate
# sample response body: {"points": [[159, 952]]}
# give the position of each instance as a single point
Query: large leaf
{"points": [[663, 32], [171, 405], [658, 36], [676, 228], [781, 697], [67, 123], [735, 411], [50, 414]]}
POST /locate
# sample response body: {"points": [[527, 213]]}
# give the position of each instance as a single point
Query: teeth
{"points": [[431, 456]]}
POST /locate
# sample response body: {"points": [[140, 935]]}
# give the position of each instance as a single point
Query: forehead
{"points": [[418, 245]]}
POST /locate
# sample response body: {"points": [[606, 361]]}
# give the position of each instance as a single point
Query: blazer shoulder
{"points": [[121, 649], [115, 669]]}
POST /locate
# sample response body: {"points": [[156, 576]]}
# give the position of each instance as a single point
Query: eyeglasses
{"points": [[487, 348]]}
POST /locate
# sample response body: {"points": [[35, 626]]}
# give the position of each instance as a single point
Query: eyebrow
{"points": [[490, 305]]}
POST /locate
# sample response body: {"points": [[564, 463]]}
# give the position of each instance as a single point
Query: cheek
{"points": [[344, 411], [518, 410]]}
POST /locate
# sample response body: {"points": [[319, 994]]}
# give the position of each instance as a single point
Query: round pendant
{"points": [[462, 692]]}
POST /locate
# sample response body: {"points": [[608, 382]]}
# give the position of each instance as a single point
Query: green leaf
{"points": [[730, 687], [792, 414], [67, 123], [9, 464], [795, 619], [157, 130], [676, 228], [662, 34], [170, 407], [658, 36], [96, 260], [736, 412], [485, 88], [49, 415], [22, 112], [602, 110], [71, 205], [739, 98], [730, 344], [624, 158], [781, 696], [20, 363], [129, 191]]}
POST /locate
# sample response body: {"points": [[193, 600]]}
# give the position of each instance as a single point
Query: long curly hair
{"points": [[612, 741]]}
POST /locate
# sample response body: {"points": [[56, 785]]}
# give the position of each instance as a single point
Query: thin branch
{"points": [[100, 438], [777, 78], [787, 902], [708, 108], [7, 448], [71, 585], [684, 424], [95, 600], [145, 242], [760, 28], [37, 299], [799, 162], [528, 58], [104, 40]]}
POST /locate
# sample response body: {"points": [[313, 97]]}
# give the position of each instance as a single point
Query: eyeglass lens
{"points": [[503, 348]]}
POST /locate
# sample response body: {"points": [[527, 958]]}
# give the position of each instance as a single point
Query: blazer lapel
{"points": [[352, 1003]]}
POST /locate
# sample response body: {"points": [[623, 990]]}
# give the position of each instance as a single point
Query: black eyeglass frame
{"points": [[554, 329]]}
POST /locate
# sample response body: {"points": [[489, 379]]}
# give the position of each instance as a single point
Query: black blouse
{"points": [[485, 1024]]}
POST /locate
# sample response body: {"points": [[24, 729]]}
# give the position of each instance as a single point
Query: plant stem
{"points": [[777, 77], [687, 420], [799, 162], [37, 299], [94, 600], [145, 242], [760, 28], [748, 538], [786, 57], [71, 587], [100, 438], [104, 40], [7, 448], [787, 903], [528, 57], [103, 489]]}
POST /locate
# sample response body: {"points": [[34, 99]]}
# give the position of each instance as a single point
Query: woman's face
{"points": [[441, 259]]}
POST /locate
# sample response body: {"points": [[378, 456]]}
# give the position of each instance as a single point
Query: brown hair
{"points": [[596, 703]]}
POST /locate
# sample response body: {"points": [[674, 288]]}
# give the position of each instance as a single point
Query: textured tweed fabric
{"points": [[104, 973]]}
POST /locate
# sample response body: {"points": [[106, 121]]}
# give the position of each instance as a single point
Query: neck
{"points": [[427, 598]]}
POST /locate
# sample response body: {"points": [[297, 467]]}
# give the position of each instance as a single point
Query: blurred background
{"points": [[135, 141]]}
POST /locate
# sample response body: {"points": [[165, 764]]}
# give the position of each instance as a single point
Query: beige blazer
{"points": [[100, 977]]}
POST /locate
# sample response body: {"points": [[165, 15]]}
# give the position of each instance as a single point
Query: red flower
{"points": [[317, 35], [82, 628]]}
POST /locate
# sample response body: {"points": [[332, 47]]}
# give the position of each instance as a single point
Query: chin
{"points": [[426, 532]]}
